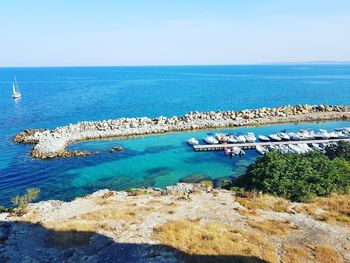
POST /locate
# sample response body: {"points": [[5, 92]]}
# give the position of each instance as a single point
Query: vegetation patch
{"points": [[334, 209], [272, 227], [294, 254], [264, 202], [214, 239], [297, 177]]}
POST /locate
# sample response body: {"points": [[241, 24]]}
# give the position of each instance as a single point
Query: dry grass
{"points": [[109, 213], [295, 254], [327, 254], [214, 238], [247, 212], [336, 208], [272, 227], [264, 202]]}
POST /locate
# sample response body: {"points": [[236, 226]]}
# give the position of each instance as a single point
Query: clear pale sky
{"points": [[172, 32]]}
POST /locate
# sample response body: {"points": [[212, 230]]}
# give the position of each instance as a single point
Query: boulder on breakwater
{"points": [[52, 143]]}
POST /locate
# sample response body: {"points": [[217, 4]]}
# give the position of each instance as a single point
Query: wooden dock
{"points": [[221, 147]]}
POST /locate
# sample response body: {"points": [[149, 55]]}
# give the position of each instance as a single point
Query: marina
{"points": [[254, 145], [301, 142]]}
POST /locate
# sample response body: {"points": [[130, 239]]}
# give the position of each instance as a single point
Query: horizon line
{"points": [[320, 62]]}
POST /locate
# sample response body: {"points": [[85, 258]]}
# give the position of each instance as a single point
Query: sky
{"points": [[172, 32]]}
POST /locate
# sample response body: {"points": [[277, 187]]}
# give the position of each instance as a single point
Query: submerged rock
{"points": [[157, 172], [194, 178]]}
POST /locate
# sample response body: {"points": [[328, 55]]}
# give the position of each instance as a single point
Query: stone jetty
{"points": [[52, 143]]}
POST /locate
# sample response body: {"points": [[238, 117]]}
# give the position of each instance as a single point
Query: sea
{"points": [[54, 97]]}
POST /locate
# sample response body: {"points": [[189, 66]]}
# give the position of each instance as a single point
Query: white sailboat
{"points": [[16, 93]]}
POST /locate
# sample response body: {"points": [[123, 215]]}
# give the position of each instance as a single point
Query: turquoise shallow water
{"points": [[58, 96]]}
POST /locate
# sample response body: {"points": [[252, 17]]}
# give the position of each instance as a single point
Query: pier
{"points": [[221, 147]]}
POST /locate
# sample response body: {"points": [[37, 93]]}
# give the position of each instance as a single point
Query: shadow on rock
{"points": [[28, 242]]}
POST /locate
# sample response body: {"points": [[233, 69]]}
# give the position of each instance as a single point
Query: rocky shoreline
{"points": [[52, 143]]}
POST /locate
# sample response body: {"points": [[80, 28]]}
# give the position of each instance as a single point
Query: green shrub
{"points": [[22, 201], [4, 209], [339, 150], [297, 177]]}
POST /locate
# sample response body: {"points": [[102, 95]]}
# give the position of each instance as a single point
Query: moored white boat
{"points": [[237, 151], [241, 139], [250, 137], [211, 140], [284, 136], [275, 137], [263, 138], [192, 141], [232, 139], [316, 147], [261, 149]]}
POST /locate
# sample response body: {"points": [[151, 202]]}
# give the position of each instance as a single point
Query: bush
{"points": [[22, 201], [339, 150], [297, 177], [4, 209]]}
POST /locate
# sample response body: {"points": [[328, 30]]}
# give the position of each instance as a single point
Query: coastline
{"points": [[53, 143]]}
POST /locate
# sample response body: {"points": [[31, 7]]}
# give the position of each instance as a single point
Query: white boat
{"points": [[221, 137], [283, 148], [241, 138], [261, 149], [284, 136], [316, 147], [307, 135], [237, 151], [250, 137], [232, 139], [296, 136], [273, 147], [228, 151], [342, 135], [275, 137], [264, 138], [192, 141], [294, 148], [16, 93], [211, 140]]}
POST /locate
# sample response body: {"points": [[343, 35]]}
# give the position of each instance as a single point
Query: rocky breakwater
{"points": [[52, 143]]}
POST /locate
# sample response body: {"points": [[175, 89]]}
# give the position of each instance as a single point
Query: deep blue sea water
{"points": [[59, 96]]}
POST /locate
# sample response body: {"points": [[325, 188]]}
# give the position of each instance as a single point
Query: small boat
{"points": [[284, 136], [16, 93], [192, 141], [237, 151], [342, 135], [232, 139], [261, 149], [250, 137], [275, 137], [263, 138], [221, 137], [241, 138], [273, 147], [283, 148], [316, 147], [211, 140], [296, 136], [294, 148], [228, 151]]}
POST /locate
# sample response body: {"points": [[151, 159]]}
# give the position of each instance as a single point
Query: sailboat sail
{"points": [[15, 89]]}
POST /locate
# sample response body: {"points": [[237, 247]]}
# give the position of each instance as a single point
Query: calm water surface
{"points": [[58, 96]]}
